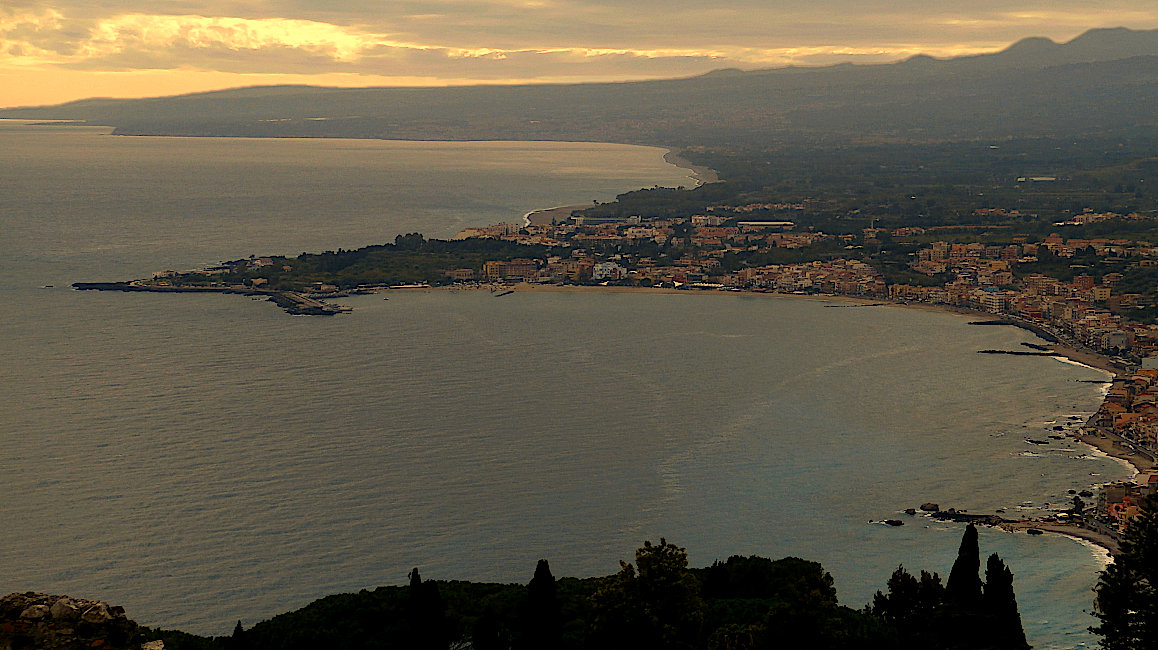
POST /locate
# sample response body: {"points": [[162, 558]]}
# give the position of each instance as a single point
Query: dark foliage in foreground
{"points": [[1126, 602], [965, 613], [745, 603]]}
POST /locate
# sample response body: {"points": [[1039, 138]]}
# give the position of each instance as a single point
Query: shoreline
{"points": [[700, 174], [548, 216], [1101, 540], [1099, 441]]}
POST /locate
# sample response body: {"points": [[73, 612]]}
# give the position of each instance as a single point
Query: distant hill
{"points": [[1105, 80]]}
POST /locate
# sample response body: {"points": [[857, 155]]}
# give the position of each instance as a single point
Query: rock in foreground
{"points": [[32, 620]]}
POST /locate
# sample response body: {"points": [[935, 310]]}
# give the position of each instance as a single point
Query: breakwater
{"points": [[1037, 329], [293, 302]]}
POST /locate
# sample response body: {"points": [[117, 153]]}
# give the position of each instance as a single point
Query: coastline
{"points": [[700, 174], [547, 216], [1094, 537], [1097, 439]]}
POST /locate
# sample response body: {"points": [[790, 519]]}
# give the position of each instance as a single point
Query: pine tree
{"points": [[912, 608], [899, 605], [658, 607], [930, 594]]}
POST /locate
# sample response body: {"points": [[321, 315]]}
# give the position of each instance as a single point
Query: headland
{"points": [[726, 251]]}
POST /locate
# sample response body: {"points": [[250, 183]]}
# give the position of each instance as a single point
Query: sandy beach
{"points": [[1069, 530], [700, 174], [549, 216]]}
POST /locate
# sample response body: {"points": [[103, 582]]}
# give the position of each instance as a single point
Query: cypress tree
{"points": [[542, 618], [1001, 606], [427, 615], [237, 641], [963, 590]]}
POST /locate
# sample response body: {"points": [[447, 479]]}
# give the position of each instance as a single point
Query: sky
{"points": [[52, 52]]}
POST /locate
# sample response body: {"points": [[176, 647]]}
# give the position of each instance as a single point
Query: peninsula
{"points": [[903, 182], [1090, 298]]}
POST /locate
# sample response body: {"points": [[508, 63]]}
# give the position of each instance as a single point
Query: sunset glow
{"points": [[55, 52]]}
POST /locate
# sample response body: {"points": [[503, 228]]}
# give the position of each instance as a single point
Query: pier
{"points": [[293, 302]]}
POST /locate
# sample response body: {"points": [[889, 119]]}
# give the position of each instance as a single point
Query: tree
{"points": [[1126, 596], [427, 615], [489, 633], [658, 607], [409, 241], [911, 607], [1000, 606], [670, 593], [542, 620], [237, 640], [901, 602], [963, 590], [982, 616]]}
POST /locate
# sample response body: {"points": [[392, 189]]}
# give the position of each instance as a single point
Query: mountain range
{"points": [[1104, 81]]}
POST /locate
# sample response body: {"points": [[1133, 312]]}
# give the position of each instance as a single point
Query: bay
{"points": [[204, 459]]}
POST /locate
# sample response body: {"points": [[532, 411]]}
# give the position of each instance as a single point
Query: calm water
{"points": [[203, 459]]}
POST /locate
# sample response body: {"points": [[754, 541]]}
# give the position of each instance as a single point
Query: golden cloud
{"points": [[152, 32], [18, 31], [456, 41]]}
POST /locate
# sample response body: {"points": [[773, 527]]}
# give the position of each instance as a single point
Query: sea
{"points": [[204, 459]]}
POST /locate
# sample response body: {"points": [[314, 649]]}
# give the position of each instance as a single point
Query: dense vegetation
{"points": [[410, 259], [1127, 597], [656, 602], [846, 188]]}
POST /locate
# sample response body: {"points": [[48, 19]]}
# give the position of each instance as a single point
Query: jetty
{"points": [[293, 302]]}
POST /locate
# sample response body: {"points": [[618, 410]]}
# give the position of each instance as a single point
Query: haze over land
{"points": [[57, 50], [1102, 81]]}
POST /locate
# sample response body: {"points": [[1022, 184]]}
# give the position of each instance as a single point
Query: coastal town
{"points": [[1083, 317], [1086, 313]]}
